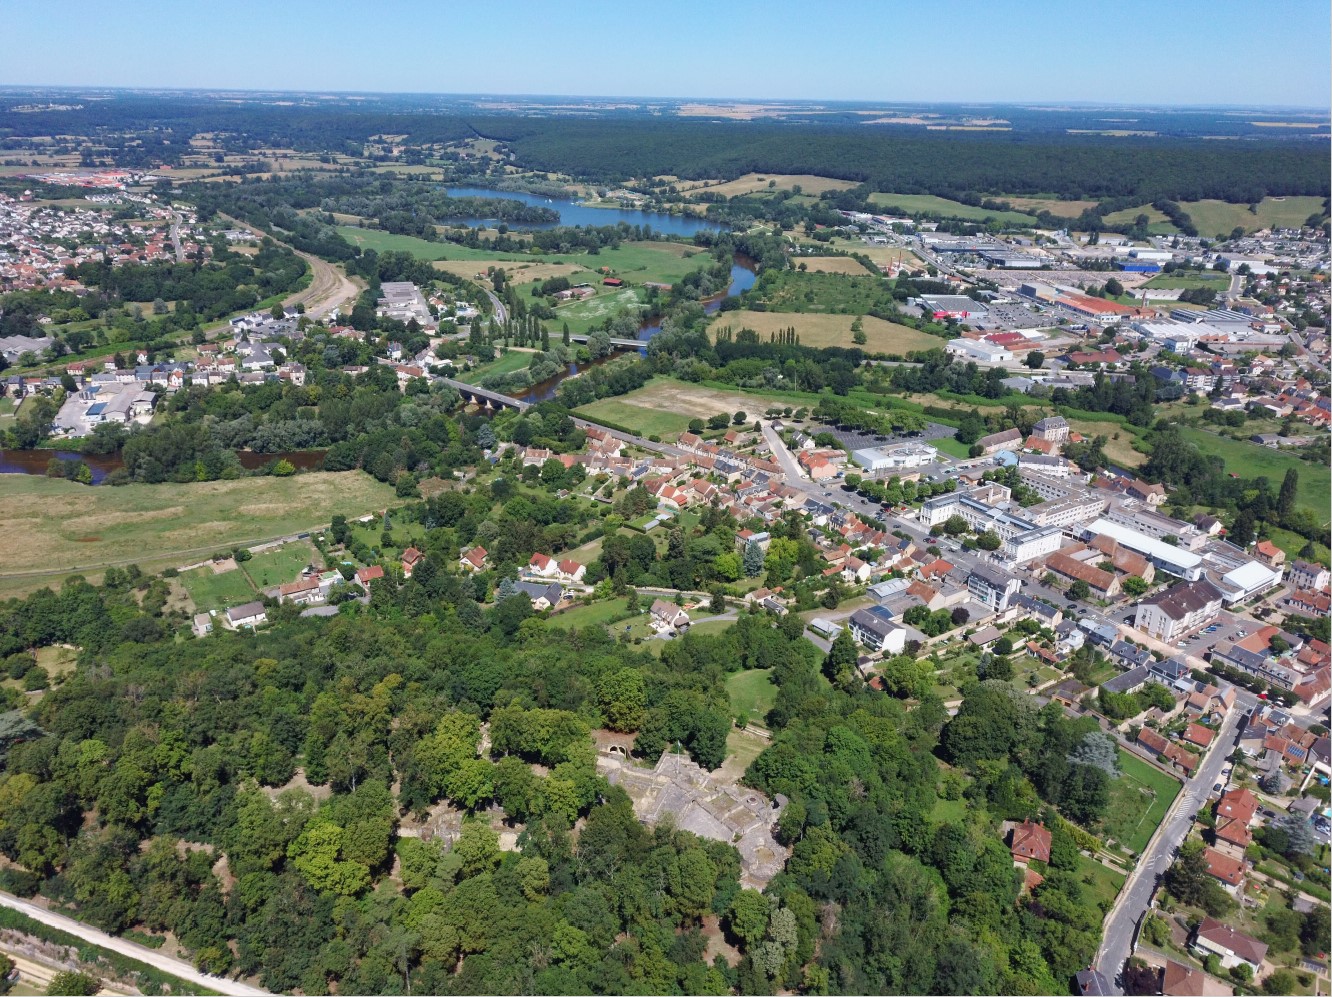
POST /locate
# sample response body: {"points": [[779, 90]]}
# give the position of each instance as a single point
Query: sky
{"points": [[1162, 52]]}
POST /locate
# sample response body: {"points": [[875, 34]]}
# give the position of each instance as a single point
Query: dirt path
{"points": [[329, 286]]}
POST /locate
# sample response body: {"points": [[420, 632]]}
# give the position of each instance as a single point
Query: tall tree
{"points": [[1290, 485]]}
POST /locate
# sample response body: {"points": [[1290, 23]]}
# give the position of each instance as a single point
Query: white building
{"points": [[874, 629], [1178, 610], [881, 460], [979, 349], [1167, 557]]}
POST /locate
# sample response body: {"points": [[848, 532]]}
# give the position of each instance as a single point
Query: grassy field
{"points": [[1118, 450], [835, 264], [55, 528], [1139, 799], [643, 420], [282, 565], [506, 364], [741, 749], [667, 402], [1221, 218], [210, 591], [838, 294], [1103, 884], [751, 182], [583, 315], [1216, 281], [516, 271], [1065, 209], [1249, 460], [1293, 543], [920, 204], [598, 613], [752, 692], [1156, 221], [831, 330]]}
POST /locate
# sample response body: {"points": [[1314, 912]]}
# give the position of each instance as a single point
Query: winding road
{"points": [[151, 957]]}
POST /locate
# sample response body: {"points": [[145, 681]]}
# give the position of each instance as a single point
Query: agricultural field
{"points": [[831, 330], [588, 313], [754, 182], [1221, 218], [1065, 209], [1249, 460], [834, 293], [516, 271], [643, 420], [834, 264], [1139, 799], [922, 204], [56, 527]]}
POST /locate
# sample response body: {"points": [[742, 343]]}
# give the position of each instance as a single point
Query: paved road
{"points": [[501, 313], [1136, 896], [175, 237], [142, 953]]}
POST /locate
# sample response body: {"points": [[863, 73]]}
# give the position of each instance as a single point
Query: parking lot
{"points": [[853, 440]]}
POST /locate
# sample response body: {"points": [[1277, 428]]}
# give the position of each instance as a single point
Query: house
{"points": [[1234, 947], [1198, 735], [365, 576], [992, 587], [873, 628], [411, 557], [1030, 841], [1180, 980], [1269, 553], [302, 592], [1153, 741], [251, 614], [1053, 429], [473, 560], [1092, 983], [202, 625], [1306, 575], [1129, 682], [1225, 869], [542, 565], [1130, 655], [541, 596], [1104, 584], [571, 571], [995, 442], [669, 615]]}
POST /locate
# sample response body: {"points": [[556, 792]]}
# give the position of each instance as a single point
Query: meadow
{"points": [[752, 692], [1249, 460], [819, 330], [921, 204], [1139, 799], [55, 527]]}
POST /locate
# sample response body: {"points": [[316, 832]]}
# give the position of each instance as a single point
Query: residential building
{"points": [[302, 592], [1178, 610], [873, 628], [202, 625], [1214, 937], [364, 576], [1053, 428], [542, 595], [993, 587], [251, 614], [473, 560], [668, 614], [995, 442], [411, 557], [1030, 841], [1307, 575]]}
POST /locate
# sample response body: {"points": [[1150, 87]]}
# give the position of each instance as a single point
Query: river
{"points": [[575, 213], [102, 465]]}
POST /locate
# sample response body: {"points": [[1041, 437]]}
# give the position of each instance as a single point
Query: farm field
{"points": [[752, 692], [643, 420], [1139, 799], [834, 264], [815, 329], [1216, 281], [794, 291], [665, 399], [516, 270], [56, 528], [1249, 460], [751, 182], [1221, 218], [1065, 209], [919, 204]]}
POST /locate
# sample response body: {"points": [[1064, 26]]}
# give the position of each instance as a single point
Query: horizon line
{"points": [[644, 97]]}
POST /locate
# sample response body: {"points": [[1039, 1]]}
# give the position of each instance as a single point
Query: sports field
{"points": [[815, 329], [54, 527], [1139, 799]]}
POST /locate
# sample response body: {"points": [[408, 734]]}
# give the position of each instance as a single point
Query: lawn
{"points": [[210, 591], [1293, 543], [1103, 884], [57, 660], [638, 419], [821, 330], [742, 749], [928, 204], [1216, 281], [55, 527], [506, 364], [1139, 799], [752, 692], [1249, 460], [583, 315], [282, 565], [596, 614], [952, 447]]}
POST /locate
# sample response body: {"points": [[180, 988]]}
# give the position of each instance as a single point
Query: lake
{"points": [[574, 213]]}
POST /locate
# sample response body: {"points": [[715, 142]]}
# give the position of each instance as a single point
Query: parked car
{"points": [[1216, 788]]}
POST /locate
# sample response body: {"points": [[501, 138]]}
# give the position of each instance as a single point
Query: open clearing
{"points": [[1118, 450], [1065, 209], [928, 204], [752, 692], [1249, 460], [1221, 218], [819, 330], [834, 264], [1139, 799], [217, 591], [680, 402], [639, 419], [751, 182], [55, 528], [514, 272]]}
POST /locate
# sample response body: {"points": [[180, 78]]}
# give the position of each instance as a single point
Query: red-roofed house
{"points": [[1225, 869], [1238, 804], [411, 557], [1234, 832], [543, 565], [367, 575], [1199, 735], [1269, 553], [473, 560], [1030, 841], [571, 570]]}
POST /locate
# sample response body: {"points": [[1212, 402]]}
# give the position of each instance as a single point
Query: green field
{"points": [[1217, 281], [642, 421], [1157, 223], [1103, 884], [1139, 799], [506, 364], [822, 330], [832, 293], [1249, 460], [280, 566], [596, 614], [1221, 218], [210, 591], [752, 692], [54, 528], [582, 316], [922, 204]]}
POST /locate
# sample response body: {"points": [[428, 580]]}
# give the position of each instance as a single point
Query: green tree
{"points": [[1035, 360], [1290, 486], [74, 984], [989, 540], [841, 658], [1079, 590], [1134, 586], [753, 559]]}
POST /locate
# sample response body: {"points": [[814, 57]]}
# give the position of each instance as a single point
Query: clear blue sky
{"points": [[1139, 51]]}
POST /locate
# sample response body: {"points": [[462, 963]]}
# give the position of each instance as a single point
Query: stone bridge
{"points": [[485, 397]]}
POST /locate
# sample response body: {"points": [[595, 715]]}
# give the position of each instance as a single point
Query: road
{"points": [[175, 237], [1136, 896], [329, 287], [142, 953], [501, 313]]}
